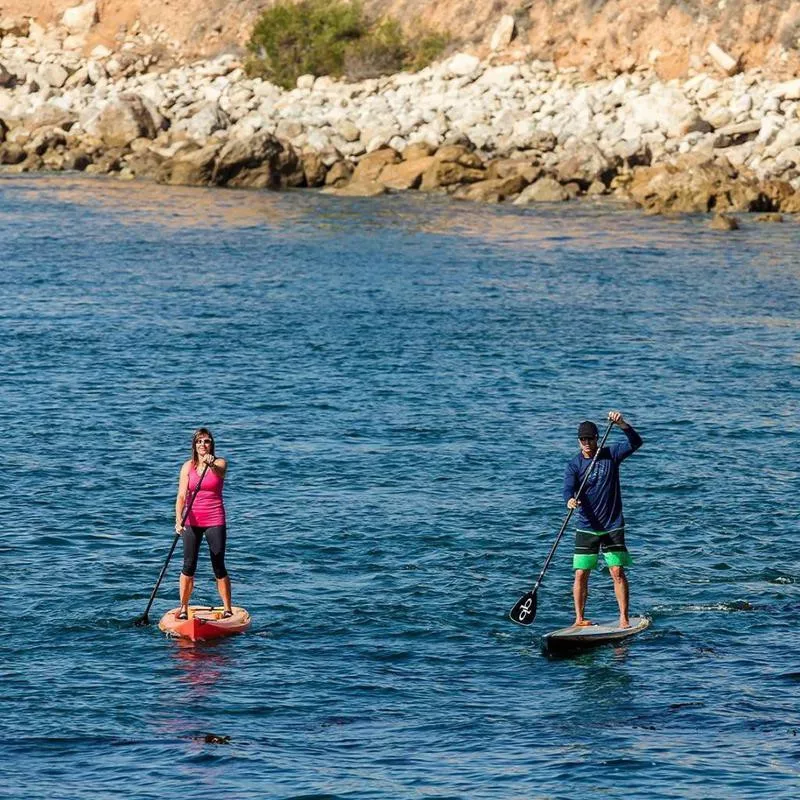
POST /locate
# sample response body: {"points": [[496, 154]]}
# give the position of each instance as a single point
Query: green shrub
{"points": [[293, 39], [381, 51], [426, 50], [321, 37]]}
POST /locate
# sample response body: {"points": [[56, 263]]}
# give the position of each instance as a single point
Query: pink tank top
{"points": [[207, 508]]}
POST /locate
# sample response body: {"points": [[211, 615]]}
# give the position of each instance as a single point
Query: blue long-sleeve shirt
{"points": [[601, 499]]}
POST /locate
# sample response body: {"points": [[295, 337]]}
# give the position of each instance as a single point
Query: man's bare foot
{"points": [[624, 623], [582, 623]]}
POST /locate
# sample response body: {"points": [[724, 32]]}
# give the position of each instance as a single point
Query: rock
{"points": [[509, 167], [545, 190], [339, 174], [253, 163], [52, 75], [500, 77], [791, 203], [75, 42], [289, 129], [503, 33], [458, 154], [585, 164], [441, 174], [719, 117], [79, 19], [695, 124], [95, 72], [781, 195], [46, 139], [120, 121], [542, 142], [305, 82], [597, 189], [461, 64], [771, 217], [723, 222], [100, 52], [11, 26], [788, 90], [209, 119], [30, 163], [417, 150], [7, 79], [406, 174], [49, 116], [790, 156], [663, 108], [314, 169], [696, 183], [736, 134], [750, 126], [78, 79], [192, 168], [372, 164], [347, 130], [633, 154], [106, 162], [727, 63], [12, 153], [76, 160], [492, 191]]}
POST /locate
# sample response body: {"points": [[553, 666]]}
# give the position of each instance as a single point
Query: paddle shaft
{"points": [[186, 509], [569, 515]]}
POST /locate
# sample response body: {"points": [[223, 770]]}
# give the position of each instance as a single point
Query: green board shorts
{"points": [[588, 544]]}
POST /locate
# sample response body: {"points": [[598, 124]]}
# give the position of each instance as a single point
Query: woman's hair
{"points": [[201, 433]]}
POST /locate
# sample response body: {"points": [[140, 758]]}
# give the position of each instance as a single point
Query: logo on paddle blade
{"points": [[525, 609]]}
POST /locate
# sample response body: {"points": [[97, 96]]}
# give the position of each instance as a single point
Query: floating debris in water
{"points": [[213, 738]]}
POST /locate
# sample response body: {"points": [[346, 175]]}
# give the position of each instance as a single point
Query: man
{"points": [[599, 512]]}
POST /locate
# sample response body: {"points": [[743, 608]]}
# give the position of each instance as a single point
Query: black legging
{"points": [[192, 536]]}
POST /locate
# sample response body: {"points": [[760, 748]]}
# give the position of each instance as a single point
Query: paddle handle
{"points": [[186, 509], [569, 515]]}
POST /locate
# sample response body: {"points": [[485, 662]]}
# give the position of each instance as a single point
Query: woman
{"points": [[206, 516]]}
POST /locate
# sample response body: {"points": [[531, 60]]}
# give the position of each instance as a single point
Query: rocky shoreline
{"points": [[519, 131]]}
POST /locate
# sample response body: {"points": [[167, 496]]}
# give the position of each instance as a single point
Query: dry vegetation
{"points": [[594, 35]]}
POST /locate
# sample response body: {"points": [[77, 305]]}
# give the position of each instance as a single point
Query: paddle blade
{"points": [[525, 609]]}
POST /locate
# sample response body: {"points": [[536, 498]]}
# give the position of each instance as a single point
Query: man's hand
{"points": [[573, 503], [616, 418]]}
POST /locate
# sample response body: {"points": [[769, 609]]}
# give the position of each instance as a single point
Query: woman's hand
{"points": [[209, 459], [179, 529]]}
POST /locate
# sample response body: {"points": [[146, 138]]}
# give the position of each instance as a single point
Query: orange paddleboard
{"points": [[204, 623]]}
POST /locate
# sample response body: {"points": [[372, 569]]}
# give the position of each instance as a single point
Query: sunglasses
{"points": [[588, 439], [204, 441]]}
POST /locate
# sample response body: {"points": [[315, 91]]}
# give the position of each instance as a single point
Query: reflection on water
{"points": [[201, 665], [143, 202], [594, 225]]}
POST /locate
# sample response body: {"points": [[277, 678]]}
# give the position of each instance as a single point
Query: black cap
{"points": [[587, 429]]}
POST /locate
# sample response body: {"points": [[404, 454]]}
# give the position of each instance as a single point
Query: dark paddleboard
{"points": [[572, 639]]}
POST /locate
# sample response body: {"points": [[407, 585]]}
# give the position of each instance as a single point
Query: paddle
{"points": [[525, 609], [143, 620]]}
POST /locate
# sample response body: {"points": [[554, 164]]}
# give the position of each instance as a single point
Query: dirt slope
{"points": [[595, 35]]}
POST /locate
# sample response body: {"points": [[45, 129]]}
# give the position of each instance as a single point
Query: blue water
{"points": [[396, 385]]}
